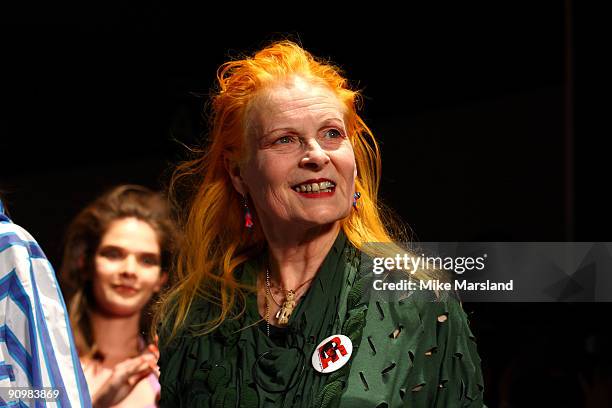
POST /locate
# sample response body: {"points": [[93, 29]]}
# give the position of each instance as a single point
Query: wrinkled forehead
{"points": [[292, 100], [296, 92]]}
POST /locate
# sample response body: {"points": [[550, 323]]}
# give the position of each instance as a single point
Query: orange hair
{"points": [[215, 240]]}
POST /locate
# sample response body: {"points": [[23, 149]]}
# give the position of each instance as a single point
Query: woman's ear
{"points": [[233, 169], [163, 278], [81, 262]]}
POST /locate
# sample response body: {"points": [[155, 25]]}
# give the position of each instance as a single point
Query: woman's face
{"points": [[301, 167], [127, 267]]}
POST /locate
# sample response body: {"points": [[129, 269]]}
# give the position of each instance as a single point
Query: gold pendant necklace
{"points": [[283, 315], [286, 309]]}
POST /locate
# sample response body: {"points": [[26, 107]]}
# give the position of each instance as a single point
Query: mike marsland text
{"points": [[434, 284]]}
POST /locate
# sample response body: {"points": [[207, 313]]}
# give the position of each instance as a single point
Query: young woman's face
{"points": [[301, 167], [127, 267]]}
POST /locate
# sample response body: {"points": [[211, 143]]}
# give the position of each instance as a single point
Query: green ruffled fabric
{"points": [[429, 364]]}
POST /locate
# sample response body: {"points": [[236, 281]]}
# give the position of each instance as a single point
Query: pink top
{"points": [[144, 395]]}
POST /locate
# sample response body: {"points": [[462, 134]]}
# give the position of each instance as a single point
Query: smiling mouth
{"points": [[313, 187], [125, 290]]}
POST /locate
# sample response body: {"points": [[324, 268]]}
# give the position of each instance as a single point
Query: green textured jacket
{"points": [[412, 352]]}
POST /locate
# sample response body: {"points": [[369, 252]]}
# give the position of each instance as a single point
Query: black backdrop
{"points": [[473, 106]]}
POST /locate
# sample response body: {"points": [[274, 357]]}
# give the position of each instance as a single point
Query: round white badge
{"points": [[332, 353]]}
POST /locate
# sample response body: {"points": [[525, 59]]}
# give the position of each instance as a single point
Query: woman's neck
{"points": [[296, 259], [116, 338]]}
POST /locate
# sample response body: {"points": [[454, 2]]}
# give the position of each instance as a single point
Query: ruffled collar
{"points": [[268, 374], [321, 287]]}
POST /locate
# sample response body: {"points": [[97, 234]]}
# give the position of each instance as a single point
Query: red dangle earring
{"points": [[248, 218], [356, 197]]}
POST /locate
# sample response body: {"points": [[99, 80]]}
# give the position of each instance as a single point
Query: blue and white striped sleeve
{"points": [[36, 344]]}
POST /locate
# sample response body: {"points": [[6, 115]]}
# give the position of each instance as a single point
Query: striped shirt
{"points": [[36, 346]]}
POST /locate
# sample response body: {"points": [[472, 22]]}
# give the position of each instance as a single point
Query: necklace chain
{"points": [[268, 304], [285, 290], [289, 293]]}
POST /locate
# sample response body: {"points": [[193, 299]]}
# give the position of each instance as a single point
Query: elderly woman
{"points": [[271, 307]]}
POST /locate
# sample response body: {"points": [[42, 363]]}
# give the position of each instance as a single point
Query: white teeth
{"points": [[323, 187]]}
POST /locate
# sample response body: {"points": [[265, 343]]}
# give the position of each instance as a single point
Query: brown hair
{"points": [[83, 238]]}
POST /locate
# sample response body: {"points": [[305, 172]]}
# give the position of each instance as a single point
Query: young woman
{"points": [[115, 260]]}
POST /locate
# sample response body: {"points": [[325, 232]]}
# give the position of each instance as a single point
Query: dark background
{"points": [[473, 105]]}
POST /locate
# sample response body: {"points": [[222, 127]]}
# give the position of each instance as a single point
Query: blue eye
{"points": [[333, 133], [284, 140]]}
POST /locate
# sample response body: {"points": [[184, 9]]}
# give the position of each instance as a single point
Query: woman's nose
{"points": [[130, 265], [315, 157]]}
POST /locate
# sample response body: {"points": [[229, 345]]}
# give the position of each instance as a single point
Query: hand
{"points": [[153, 349], [124, 378]]}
